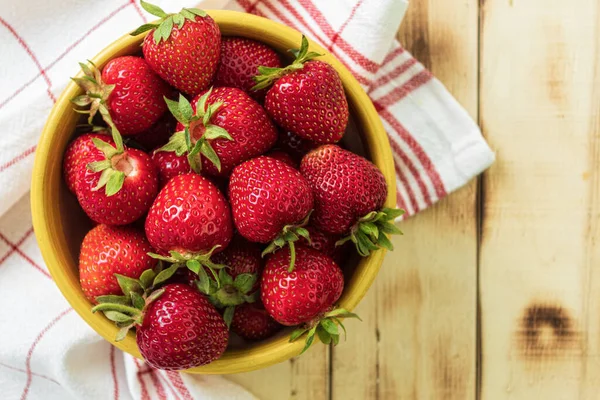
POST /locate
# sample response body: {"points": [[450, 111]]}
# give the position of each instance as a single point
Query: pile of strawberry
{"points": [[220, 199]]}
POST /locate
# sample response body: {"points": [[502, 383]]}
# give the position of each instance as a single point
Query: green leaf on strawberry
{"points": [[137, 300], [228, 315], [182, 142], [195, 262], [166, 22], [152, 9], [288, 236], [113, 299], [95, 96], [244, 282], [128, 310], [371, 231], [268, 75], [165, 274], [327, 328]]}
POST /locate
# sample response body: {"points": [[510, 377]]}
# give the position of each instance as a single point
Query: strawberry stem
{"points": [[289, 234], [268, 75], [292, 256]]}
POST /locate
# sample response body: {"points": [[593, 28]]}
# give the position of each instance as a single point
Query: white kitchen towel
{"points": [[46, 350]]}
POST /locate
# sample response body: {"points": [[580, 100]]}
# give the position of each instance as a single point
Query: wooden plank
{"points": [[302, 378], [540, 257], [418, 338]]}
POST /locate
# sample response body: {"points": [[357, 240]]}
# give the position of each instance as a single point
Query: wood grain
{"points": [[301, 378], [540, 257], [418, 338]]}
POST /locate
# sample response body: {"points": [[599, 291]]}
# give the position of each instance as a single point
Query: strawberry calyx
{"points": [[289, 234], [197, 263], [324, 327], [230, 292], [115, 167], [198, 131], [164, 26], [371, 232], [128, 310], [268, 75], [96, 94]]}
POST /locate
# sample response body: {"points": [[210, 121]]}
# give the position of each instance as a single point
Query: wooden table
{"points": [[494, 293]]}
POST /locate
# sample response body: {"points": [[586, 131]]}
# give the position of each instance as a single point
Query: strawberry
{"points": [[283, 157], [158, 135], [189, 220], [129, 178], [242, 257], [240, 59], [224, 125], [127, 94], [77, 154], [177, 327], [305, 294], [350, 192], [183, 48], [324, 243], [251, 321], [270, 201], [169, 165], [294, 145], [108, 250], [307, 97], [196, 332]]}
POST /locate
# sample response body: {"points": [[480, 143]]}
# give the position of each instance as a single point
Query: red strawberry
{"points": [[227, 129], [77, 154], [270, 201], [190, 219], [106, 251], [283, 157], [181, 330], [307, 97], [127, 94], [183, 48], [308, 291], [294, 145], [169, 165], [129, 179], [158, 135], [241, 257], [251, 321], [350, 192], [136, 103], [304, 295], [325, 243], [240, 59]]}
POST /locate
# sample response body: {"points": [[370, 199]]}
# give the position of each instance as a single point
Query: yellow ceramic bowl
{"points": [[60, 225]]}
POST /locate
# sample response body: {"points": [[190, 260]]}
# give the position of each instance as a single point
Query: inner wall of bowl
{"points": [[66, 230], [70, 211]]}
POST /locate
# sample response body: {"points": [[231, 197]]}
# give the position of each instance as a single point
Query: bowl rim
{"points": [[262, 354]]}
